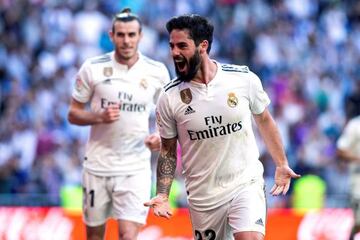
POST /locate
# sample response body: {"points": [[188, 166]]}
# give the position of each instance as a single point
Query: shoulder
{"points": [[99, 59], [234, 68], [239, 72], [355, 122], [95, 62], [153, 63], [155, 68], [171, 86]]}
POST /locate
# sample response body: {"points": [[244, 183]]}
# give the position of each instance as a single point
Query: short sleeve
{"points": [[348, 137], [164, 117], [164, 78], [82, 90], [259, 99]]}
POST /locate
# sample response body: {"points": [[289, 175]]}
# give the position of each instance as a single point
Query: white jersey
{"points": [[118, 148], [213, 124], [350, 141]]}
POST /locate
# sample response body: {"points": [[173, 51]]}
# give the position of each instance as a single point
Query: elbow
{"points": [[339, 153], [342, 155], [71, 117]]}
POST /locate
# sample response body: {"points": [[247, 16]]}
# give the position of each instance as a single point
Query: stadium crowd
{"points": [[306, 52]]}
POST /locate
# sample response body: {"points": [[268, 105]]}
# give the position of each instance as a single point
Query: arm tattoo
{"points": [[166, 167]]}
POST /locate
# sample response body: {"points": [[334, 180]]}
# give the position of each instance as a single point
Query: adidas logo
{"points": [[259, 222], [189, 110]]}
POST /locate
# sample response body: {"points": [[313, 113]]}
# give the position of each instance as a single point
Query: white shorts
{"points": [[119, 197], [245, 212]]}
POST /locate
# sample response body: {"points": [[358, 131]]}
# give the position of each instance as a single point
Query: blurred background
{"points": [[306, 52]]}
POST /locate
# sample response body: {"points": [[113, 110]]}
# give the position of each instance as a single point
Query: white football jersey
{"points": [[213, 124], [350, 141], [118, 148]]}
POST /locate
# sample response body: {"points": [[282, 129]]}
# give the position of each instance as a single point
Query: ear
{"points": [[111, 35], [204, 46]]}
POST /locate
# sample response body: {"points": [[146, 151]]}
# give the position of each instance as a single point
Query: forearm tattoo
{"points": [[166, 168]]}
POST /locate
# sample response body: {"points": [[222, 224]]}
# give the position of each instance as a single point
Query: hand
{"points": [[283, 177], [161, 206], [111, 113], [153, 142]]}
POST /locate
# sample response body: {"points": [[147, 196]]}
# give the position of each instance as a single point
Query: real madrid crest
{"points": [[143, 83], [186, 96], [108, 71], [232, 100]]}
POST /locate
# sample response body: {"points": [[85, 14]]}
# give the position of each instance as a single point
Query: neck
{"points": [[207, 71], [128, 62]]}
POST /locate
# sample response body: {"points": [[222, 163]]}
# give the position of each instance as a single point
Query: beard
{"points": [[193, 65]]}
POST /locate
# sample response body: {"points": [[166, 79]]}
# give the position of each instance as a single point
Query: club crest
{"points": [[186, 96], [143, 83], [232, 100], [108, 71]]}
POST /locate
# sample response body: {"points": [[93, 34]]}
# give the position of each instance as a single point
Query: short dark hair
{"points": [[199, 27], [125, 16]]}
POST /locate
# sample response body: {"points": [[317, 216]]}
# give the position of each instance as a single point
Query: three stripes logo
{"points": [[259, 222], [189, 110]]}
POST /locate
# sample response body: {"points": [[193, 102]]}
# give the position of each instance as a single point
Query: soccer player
{"points": [[348, 149], [121, 87], [208, 109]]}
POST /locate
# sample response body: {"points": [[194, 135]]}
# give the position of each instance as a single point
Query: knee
{"points": [[95, 233], [128, 236], [249, 236]]}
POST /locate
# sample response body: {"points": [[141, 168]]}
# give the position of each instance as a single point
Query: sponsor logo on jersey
{"points": [[108, 71], [232, 100], [143, 83], [215, 127], [189, 110], [186, 96], [124, 106]]}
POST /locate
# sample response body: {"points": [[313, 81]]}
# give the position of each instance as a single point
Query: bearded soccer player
{"points": [[209, 110], [120, 87]]}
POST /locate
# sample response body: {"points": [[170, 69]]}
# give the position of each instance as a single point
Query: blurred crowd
{"points": [[306, 53]]}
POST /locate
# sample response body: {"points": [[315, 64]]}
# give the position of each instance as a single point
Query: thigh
{"points": [[129, 195], [96, 200], [247, 212], [212, 224], [128, 229]]}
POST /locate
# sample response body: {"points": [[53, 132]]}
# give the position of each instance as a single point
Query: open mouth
{"points": [[180, 64]]}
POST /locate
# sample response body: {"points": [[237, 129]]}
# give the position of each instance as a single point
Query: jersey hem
{"points": [[231, 195], [114, 174]]}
